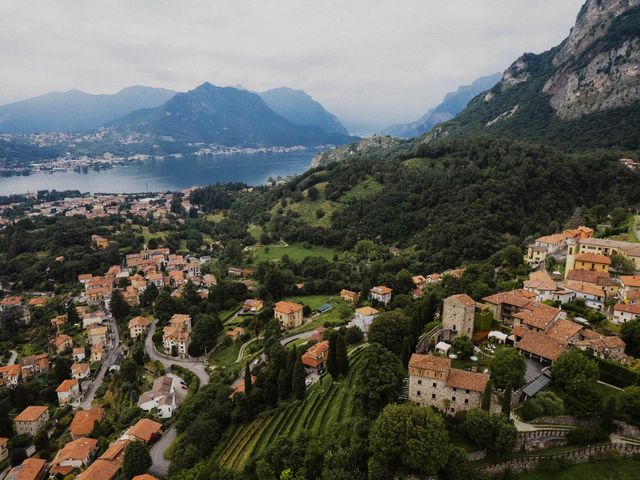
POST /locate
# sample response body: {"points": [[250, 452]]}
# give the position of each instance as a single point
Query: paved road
{"points": [[110, 360], [13, 357], [160, 465], [195, 365]]}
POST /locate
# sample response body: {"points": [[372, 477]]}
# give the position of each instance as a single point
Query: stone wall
{"points": [[564, 420], [584, 455]]}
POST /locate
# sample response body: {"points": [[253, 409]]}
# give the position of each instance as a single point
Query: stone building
{"points": [[458, 313], [432, 382]]}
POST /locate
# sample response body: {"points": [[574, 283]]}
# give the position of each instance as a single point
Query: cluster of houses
{"points": [[79, 454], [157, 206], [151, 266]]}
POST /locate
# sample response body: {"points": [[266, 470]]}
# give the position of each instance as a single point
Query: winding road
{"points": [[13, 357], [112, 357], [160, 465]]}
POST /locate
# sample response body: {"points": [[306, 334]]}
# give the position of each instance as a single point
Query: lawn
{"points": [[333, 316], [295, 252], [147, 234], [327, 403], [618, 469], [255, 231], [225, 355]]}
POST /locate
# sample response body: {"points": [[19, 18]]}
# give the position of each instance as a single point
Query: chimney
{"points": [[474, 369]]}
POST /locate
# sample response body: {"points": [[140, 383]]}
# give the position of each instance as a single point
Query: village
{"points": [[572, 300]]}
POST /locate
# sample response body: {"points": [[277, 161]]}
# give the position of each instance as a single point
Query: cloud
{"points": [[376, 61]]}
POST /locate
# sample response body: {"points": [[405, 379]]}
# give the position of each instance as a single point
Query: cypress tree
{"points": [[486, 397], [298, 378], [506, 401], [342, 359], [284, 384], [405, 352], [332, 363], [247, 379], [72, 313], [119, 307], [609, 415]]}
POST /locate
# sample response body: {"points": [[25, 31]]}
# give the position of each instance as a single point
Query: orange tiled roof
{"points": [[29, 469], [514, 297], [145, 429], [467, 380], [84, 421], [367, 311], [586, 288], [31, 413], [631, 308], [287, 307], [66, 385], [429, 362], [100, 470], [541, 345], [316, 354], [564, 330], [593, 258], [382, 290], [464, 299], [632, 281], [139, 322], [540, 316]]}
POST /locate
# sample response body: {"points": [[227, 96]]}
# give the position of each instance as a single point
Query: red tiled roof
{"points": [[593, 258], [564, 330], [287, 307], [540, 345], [463, 299]]}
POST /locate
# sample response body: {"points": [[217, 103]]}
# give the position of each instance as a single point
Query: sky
{"points": [[371, 62]]}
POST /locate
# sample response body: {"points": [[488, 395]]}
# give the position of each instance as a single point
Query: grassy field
{"points": [[333, 316], [365, 189], [296, 252], [216, 217], [147, 234], [618, 469], [327, 403]]}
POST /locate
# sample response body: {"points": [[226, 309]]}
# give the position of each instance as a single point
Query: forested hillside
{"points": [[455, 201]]}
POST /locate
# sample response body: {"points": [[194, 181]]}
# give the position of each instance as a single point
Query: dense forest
{"points": [[453, 201]]}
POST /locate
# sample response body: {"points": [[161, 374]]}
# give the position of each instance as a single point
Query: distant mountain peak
{"points": [[300, 108], [75, 110], [452, 104]]}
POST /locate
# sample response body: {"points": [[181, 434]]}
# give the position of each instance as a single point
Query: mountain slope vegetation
{"points": [[456, 200]]}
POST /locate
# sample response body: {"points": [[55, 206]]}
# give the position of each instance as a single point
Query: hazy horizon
{"points": [[370, 63]]}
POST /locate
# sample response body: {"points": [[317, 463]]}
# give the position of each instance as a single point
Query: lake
{"points": [[167, 174]]}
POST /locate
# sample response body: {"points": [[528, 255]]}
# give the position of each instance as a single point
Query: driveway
{"points": [[13, 357]]}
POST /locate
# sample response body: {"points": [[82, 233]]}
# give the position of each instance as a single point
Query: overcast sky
{"points": [[368, 61]]}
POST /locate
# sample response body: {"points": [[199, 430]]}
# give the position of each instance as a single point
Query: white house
{"points": [[162, 397], [68, 391], [381, 293], [363, 318], [93, 318], [622, 313], [593, 296]]}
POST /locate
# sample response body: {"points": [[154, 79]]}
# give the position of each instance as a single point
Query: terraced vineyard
{"points": [[327, 403]]}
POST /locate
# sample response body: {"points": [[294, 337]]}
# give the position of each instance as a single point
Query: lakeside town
{"points": [[133, 321]]}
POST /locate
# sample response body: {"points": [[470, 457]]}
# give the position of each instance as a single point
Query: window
{"points": [[453, 399], [434, 384], [467, 391], [466, 400], [418, 392], [433, 395], [455, 389], [419, 382]]}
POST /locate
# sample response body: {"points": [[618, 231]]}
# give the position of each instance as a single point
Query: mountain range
{"points": [[231, 116], [453, 103], [75, 110], [226, 116], [583, 93]]}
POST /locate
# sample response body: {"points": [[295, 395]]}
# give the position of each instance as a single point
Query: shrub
{"points": [[584, 436]]}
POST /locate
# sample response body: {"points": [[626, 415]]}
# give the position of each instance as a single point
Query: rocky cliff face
{"points": [[375, 146], [591, 25]]}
